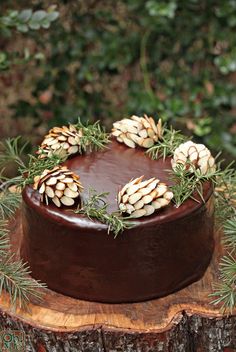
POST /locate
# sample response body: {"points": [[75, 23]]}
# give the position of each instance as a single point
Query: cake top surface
{"points": [[107, 171]]}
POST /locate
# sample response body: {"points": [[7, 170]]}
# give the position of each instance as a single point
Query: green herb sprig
{"points": [[14, 274], [93, 137], [166, 146], [95, 207], [36, 166], [187, 182], [225, 291], [225, 213]]}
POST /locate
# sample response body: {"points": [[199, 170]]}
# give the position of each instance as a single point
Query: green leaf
{"points": [[52, 16], [22, 28], [25, 15], [38, 16], [34, 25]]}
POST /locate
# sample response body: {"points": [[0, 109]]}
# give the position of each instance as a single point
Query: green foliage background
{"points": [[109, 59]]}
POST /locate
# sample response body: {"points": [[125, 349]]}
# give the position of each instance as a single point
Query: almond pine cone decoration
{"points": [[59, 185], [141, 131], [61, 140], [142, 198], [194, 156]]}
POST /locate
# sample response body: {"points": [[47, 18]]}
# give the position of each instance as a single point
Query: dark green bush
{"points": [[108, 59]]}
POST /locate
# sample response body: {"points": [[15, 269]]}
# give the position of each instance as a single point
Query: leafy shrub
{"points": [[106, 60]]}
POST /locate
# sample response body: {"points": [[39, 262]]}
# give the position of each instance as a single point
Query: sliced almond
{"points": [[147, 199], [132, 129], [59, 193], [163, 202], [129, 208], [122, 207], [67, 180], [135, 197], [46, 199], [71, 194], [72, 140], [42, 188], [129, 142], [116, 133], [65, 145], [55, 146], [132, 189], [73, 186], [52, 181], [49, 191], [73, 150], [125, 198], [149, 209], [61, 177], [138, 213], [67, 201], [139, 204], [147, 143], [168, 195], [52, 142], [161, 189], [56, 201], [145, 191], [61, 138], [60, 186], [150, 133], [120, 139], [143, 133], [156, 204], [123, 128]]}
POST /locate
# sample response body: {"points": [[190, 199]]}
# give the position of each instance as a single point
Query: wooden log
{"points": [[184, 321]]}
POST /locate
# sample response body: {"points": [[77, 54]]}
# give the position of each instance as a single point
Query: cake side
{"points": [[75, 256], [145, 262]]}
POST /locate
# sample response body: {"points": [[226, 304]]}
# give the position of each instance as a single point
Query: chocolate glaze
{"points": [[75, 256]]}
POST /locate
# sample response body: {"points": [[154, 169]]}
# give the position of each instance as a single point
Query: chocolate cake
{"points": [[75, 256]]}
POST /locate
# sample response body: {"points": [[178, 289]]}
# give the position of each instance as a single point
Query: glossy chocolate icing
{"points": [[76, 257]]}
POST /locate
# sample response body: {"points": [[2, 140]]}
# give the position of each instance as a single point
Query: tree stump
{"points": [[181, 322]]}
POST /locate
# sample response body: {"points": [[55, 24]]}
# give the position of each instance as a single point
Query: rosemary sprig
{"points": [[93, 137], [171, 139], [95, 207], [36, 166], [187, 182]]}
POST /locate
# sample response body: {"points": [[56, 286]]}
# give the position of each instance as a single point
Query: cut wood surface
{"points": [[183, 321]]}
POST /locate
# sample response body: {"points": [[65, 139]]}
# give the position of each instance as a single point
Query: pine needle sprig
{"points": [[14, 274], [166, 146], [225, 195], [11, 151], [9, 202], [229, 239], [93, 137], [226, 290], [96, 207], [225, 214], [15, 279], [4, 238]]}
